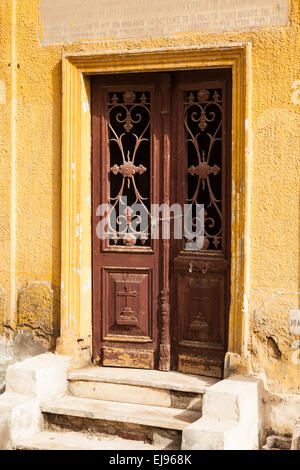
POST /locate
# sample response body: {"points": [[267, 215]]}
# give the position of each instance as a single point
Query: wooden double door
{"points": [[161, 142]]}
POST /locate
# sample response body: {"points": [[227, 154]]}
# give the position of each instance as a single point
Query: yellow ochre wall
{"points": [[30, 185]]}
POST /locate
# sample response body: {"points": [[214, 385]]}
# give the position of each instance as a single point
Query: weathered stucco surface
{"points": [[30, 182]]}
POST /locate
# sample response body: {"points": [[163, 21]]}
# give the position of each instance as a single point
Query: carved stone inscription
{"points": [[74, 20]]}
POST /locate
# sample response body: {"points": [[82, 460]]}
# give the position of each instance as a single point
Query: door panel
{"points": [[127, 303], [200, 275], [201, 322], [127, 145]]}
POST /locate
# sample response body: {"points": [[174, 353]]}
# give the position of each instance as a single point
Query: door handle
{"points": [[203, 267]]}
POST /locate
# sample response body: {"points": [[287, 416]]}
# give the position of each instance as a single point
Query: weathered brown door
{"points": [[201, 173], [161, 138], [127, 130]]}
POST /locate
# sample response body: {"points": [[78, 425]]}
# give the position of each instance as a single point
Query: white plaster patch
{"points": [[88, 285], [295, 322], [85, 106], [6, 350], [296, 93], [245, 303]]}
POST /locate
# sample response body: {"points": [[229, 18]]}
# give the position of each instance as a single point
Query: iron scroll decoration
{"points": [[128, 118], [203, 115], [129, 121]]}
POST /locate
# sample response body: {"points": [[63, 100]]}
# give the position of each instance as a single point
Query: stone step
{"points": [[145, 378], [149, 387], [152, 424], [78, 441], [168, 418]]}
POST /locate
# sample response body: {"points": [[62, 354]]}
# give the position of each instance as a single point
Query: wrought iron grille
{"points": [[203, 130], [129, 133]]}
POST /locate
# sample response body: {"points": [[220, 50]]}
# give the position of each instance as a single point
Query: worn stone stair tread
{"points": [[148, 378], [77, 441], [161, 417]]}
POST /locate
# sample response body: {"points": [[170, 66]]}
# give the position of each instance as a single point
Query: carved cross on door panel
{"points": [[127, 316], [199, 325]]}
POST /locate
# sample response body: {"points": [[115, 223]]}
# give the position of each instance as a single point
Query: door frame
{"points": [[76, 260]]}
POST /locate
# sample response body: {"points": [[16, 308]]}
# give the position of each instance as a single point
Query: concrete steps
{"points": [[108, 408], [149, 406], [142, 407], [37, 410]]}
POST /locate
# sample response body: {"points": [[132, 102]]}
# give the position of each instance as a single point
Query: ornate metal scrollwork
{"points": [[128, 118], [203, 126], [128, 169]]}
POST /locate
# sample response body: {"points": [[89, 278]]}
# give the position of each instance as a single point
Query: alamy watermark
{"points": [[160, 221]]}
